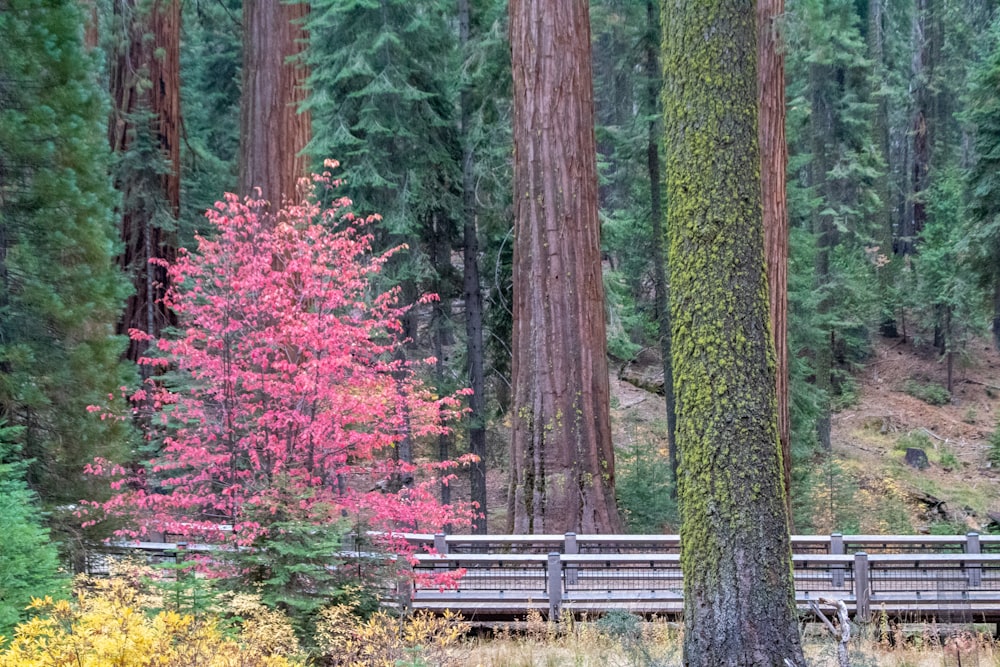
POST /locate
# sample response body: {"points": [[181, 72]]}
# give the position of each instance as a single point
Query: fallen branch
{"points": [[934, 435], [842, 633], [981, 384]]}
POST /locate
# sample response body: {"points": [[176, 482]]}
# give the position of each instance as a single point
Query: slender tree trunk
{"points": [[145, 122], [440, 251], [996, 311], [661, 286], [273, 133], [821, 126], [919, 138], [774, 164], [562, 460], [472, 296], [739, 604]]}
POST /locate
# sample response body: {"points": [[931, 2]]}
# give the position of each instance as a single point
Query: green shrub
{"points": [[29, 565], [994, 443], [915, 440], [929, 392]]}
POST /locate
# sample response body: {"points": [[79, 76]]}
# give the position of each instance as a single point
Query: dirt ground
{"points": [[866, 435]]}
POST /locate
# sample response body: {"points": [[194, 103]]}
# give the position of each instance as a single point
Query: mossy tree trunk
{"points": [[561, 455], [738, 593]]}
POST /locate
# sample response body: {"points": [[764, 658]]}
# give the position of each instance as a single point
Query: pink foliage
{"points": [[294, 397]]}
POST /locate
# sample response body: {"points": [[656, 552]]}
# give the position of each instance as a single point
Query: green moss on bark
{"points": [[739, 604]]}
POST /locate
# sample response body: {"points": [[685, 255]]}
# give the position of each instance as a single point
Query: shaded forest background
{"points": [[120, 123]]}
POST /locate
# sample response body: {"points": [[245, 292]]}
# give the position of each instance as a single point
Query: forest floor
{"points": [[865, 486], [870, 436]]}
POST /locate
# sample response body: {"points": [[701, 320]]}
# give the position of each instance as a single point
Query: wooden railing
{"points": [[947, 578]]}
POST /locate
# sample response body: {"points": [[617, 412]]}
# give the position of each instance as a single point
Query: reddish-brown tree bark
{"points": [[273, 133], [145, 122], [774, 163], [561, 456]]}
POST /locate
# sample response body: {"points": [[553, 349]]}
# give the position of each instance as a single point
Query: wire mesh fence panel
{"points": [[632, 577], [823, 578]]}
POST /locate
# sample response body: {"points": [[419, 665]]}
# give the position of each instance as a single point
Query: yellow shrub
{"points": [[106, 626], [382, 640]]}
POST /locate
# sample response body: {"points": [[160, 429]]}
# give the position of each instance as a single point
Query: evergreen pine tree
{"points": [[383, 101], [59, 292], [983, 228], [28, 559]]}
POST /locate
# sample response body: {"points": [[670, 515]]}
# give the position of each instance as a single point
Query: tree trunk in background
{"points": [[145, 133], [884, 220], [739, 604], [920, 139], [562, 460], [440, 238], [472, 296], [774, 164], [821, 127], [273, 134], [661, 284]]}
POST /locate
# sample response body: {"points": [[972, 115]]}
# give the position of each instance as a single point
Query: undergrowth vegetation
{"points": [[132, 620]]}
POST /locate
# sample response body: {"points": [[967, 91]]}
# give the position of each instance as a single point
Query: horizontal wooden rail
{"points": [[945, 586], [954, 577]]}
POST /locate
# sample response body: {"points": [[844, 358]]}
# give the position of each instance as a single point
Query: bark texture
{"points": [[735, 554], [273, 133], [145, 125], [562, 460], [774, 165]]}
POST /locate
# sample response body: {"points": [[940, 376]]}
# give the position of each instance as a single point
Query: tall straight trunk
{"points": [[273, 133], [774, 165], [661, 284], [562, 460], [821, 127], [440, 256], [145, 90], [472, 296], [739, 604], [919, 135]]}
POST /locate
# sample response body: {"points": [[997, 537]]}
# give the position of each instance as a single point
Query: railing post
{"points": [[837, 549], [441, 547], [570, 547], [555, 585], [975, 572], [404, 588], [862, 591]]}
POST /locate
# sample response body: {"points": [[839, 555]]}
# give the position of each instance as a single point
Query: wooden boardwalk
{"points": [[945, 578], [952, 578]]}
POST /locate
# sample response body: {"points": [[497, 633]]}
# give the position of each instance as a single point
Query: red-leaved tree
{"points": [[283, 401]]}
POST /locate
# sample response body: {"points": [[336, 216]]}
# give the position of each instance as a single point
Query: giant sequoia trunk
{"points": [[739, 606], [145, 133], [774, 164], [562, 460], [273, 134]]}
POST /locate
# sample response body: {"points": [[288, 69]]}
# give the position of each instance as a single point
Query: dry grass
{"points": [[658, 644]]}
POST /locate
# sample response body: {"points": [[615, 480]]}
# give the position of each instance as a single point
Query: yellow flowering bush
{"points": [[106, 626]]}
